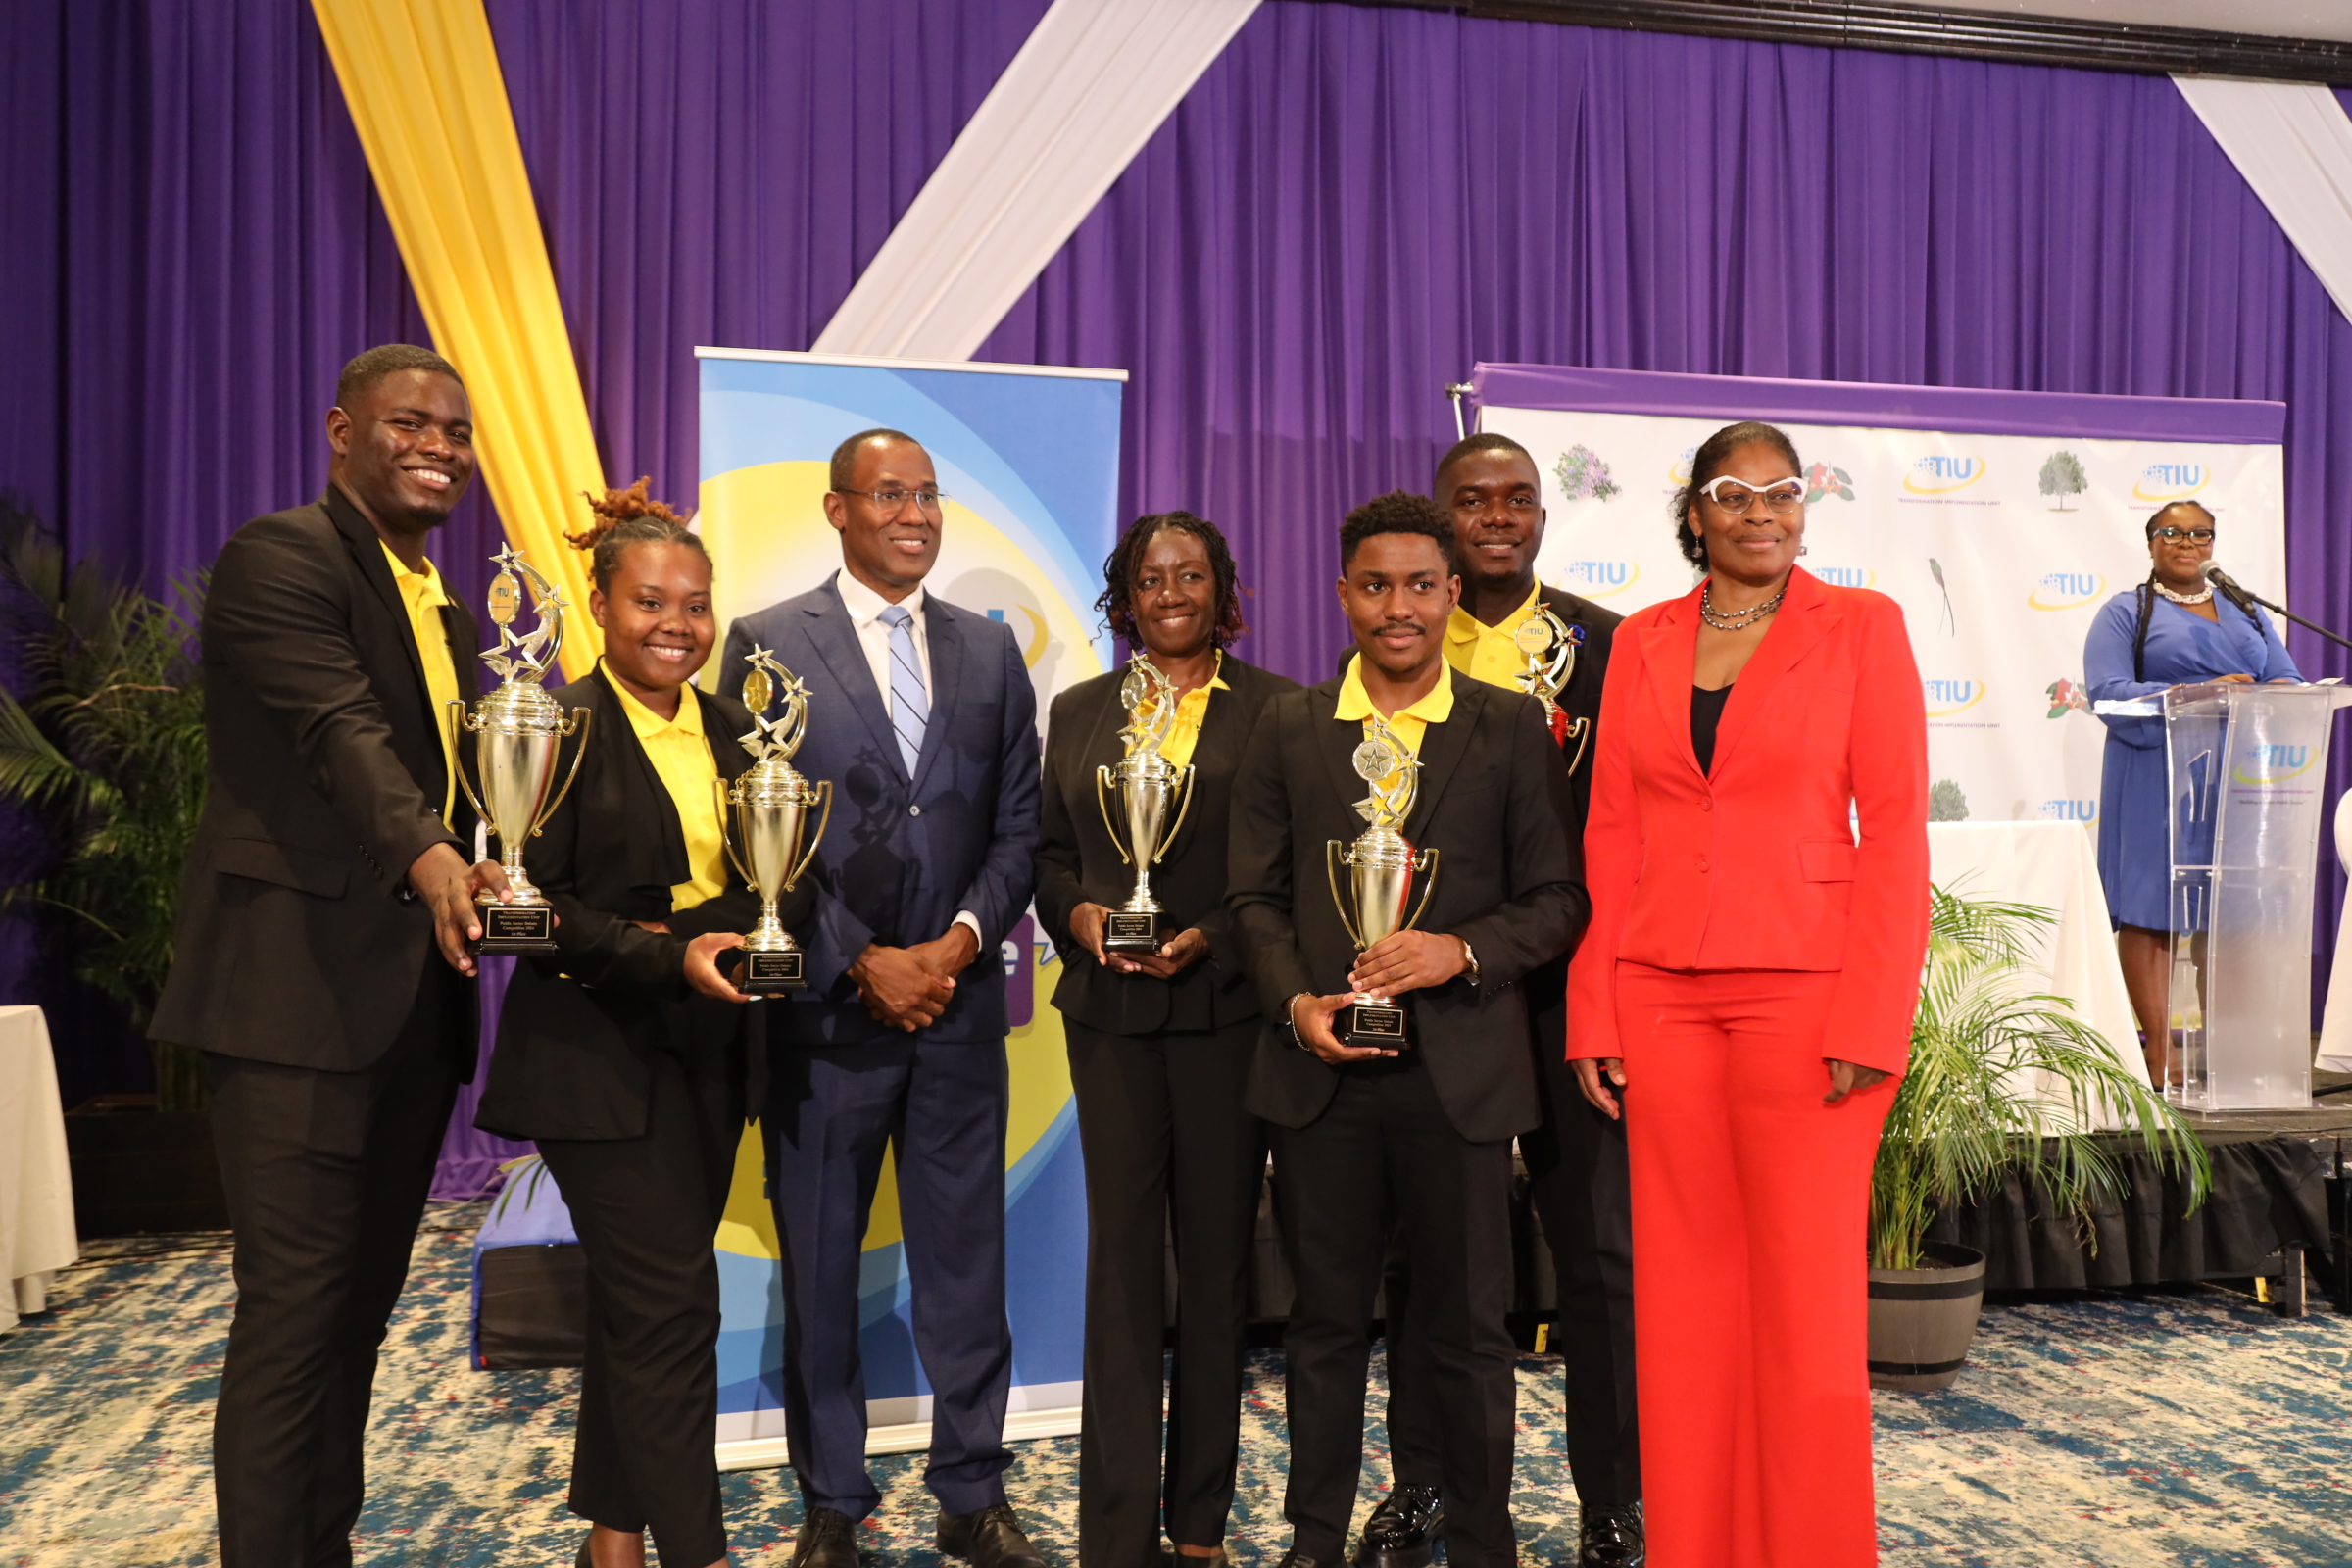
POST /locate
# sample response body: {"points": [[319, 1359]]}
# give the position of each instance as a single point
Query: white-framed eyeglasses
{"points": [[1782, 497]]}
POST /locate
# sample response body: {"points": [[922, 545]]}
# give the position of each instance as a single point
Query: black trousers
{"points": [[647, 1209], [326, 1175], [1168, 1148], [1383, 1146], [1583, 1193]]}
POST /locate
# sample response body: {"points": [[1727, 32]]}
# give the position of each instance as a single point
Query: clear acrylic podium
{"points": [[2246, 769]]}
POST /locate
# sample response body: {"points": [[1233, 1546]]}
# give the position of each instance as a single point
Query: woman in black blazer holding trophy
{"points": [[1161, 1024], [624, 1053]]}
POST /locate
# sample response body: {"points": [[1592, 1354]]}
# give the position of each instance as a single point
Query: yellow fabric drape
{"points": [[422, 80]]}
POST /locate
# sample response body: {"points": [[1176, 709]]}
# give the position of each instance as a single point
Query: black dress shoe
{"points": [[1291, 1560], [1611, 1538], [1403, 1530], [828, 1539], [989, 1539]]}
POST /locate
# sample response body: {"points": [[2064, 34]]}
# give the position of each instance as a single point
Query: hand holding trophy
{"points": [[520, 729], [1381, 867], [1550, 645], [765, 817], [1146, 784]]}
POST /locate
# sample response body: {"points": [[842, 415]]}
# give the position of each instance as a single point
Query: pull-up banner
{"points": [[2000, 521], [1028, 459]]}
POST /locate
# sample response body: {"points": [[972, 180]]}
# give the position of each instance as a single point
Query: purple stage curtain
{"points": [[471, 1157]]}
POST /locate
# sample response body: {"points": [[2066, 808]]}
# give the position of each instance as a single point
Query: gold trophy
{"points": [[1381, 867], [1147, 784], [1550, 645], [519, 730], [763, 816]]}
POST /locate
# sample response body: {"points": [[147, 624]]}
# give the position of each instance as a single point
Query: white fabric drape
{"points": [[1076, 105], [2292, 141], [2335, 1021]]}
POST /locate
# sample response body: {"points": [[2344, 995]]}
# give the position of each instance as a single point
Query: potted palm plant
{"points": [[2003, 1079], [105, 750]]}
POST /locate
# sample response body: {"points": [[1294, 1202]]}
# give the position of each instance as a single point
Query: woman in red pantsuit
{"points": [[1747, 983]]}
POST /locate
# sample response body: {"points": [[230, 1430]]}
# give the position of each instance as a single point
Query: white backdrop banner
{"points": [[2000, 521]]}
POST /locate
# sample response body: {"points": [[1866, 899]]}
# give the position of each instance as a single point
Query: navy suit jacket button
{"points": [[914, 811]]}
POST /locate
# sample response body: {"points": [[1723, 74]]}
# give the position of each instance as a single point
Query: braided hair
{"points": [[2146, 593], [625, 517], [1116, 603]]}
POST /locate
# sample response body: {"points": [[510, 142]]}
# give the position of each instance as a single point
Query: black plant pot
{"points": [[137, 1169], [1922, 1320]]}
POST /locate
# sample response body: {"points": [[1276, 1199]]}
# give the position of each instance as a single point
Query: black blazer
{"points": [[1077, 862], [299, 941], [577, 1032], [1494, 801]]}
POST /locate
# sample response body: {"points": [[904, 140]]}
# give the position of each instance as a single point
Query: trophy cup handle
{"points": [[1103, 783], [1334, 856], [1183, 810], [726, 835], [576, 724], [1427, 862], [824, 787], [1582, 729], [457, 723]]}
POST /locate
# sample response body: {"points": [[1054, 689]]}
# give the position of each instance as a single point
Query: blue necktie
{"points": [[910, 704]]}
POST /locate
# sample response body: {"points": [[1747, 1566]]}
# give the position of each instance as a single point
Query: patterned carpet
{"points": [[2182, 1429]]}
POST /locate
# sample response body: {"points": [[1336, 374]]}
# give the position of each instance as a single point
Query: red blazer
{"points": [[1756, 865]]}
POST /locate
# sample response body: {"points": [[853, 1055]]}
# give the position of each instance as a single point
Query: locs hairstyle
{"points": [[845, 455], [625, 517], [1483, 441], [1116, 603], [2146, 591], [360, 376], [1707, 462], [1397, 511]]}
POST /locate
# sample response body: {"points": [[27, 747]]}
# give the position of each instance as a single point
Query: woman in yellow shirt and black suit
{"points": [[625, 1056], [1161, 1046]]}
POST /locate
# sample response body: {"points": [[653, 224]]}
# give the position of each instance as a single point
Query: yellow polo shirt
{"points": [[1488, 652], [1192, 712], [680, 753], [1409, 723], [421, 592]]}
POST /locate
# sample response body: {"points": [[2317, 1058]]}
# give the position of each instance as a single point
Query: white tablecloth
{"points": [[37, 1187], [2054, 865]]}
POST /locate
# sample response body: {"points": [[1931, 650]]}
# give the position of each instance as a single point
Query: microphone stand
{"points": [[2241, 594]]}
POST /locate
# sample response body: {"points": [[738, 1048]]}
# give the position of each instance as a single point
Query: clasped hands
{"points": [[1400, 961], [909, 988]]}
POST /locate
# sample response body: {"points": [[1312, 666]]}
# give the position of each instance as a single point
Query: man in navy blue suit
{"points": [[922, 715]]}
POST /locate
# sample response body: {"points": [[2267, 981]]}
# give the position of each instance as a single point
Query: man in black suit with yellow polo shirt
{"points": [[1576, 1160], [319, 960], [1424, 1132]]}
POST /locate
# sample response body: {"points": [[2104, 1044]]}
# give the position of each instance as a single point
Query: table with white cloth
{"points": [[36, 1187], [2055, 866]]}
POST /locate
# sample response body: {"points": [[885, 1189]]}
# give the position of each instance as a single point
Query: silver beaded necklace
{"points": [[2182, 599], [1738, 620]]}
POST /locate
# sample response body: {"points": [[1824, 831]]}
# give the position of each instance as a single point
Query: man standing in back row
{"points": [[1575, 1161], [319, 960], [922, 715]]}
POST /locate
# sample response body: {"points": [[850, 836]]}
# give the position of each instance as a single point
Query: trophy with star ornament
{"points": [[1380, 865], [765, 817]]}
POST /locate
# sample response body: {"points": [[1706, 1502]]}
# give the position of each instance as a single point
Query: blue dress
{"points": [[2183, 647]]}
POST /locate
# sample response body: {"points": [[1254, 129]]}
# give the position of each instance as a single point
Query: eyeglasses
{"points": [[893, 502], [1781, 498], [2195, 536]]}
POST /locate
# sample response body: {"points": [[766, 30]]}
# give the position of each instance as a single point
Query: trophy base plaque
{"points": [[1131, 931], [514, 928], [770, 973], [1372, 1026]]}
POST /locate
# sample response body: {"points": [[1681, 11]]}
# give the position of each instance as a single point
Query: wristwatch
{"points": [[1470, 958]]}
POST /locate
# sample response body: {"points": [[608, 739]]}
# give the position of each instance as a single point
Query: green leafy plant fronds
{"points": [[2005, 1079]]}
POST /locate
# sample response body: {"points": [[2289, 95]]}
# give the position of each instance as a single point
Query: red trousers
{"points": [[1750, 1315]]}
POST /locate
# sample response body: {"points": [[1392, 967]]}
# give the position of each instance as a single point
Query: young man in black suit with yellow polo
{"points": [[319, 962], [1575, 1161], [1424, 1131]]}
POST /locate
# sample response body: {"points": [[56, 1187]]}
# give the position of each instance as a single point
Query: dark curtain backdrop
{"points": [[1350, 208]]}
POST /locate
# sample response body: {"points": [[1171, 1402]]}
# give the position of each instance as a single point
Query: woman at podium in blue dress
{"points": [[2170, 630]]}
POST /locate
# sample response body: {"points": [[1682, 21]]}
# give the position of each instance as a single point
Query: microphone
{"points": [[2239, 595]]}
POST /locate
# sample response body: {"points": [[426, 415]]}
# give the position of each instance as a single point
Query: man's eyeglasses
{"points": [[1781, 498], [893, 502], [2195, 536]]}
